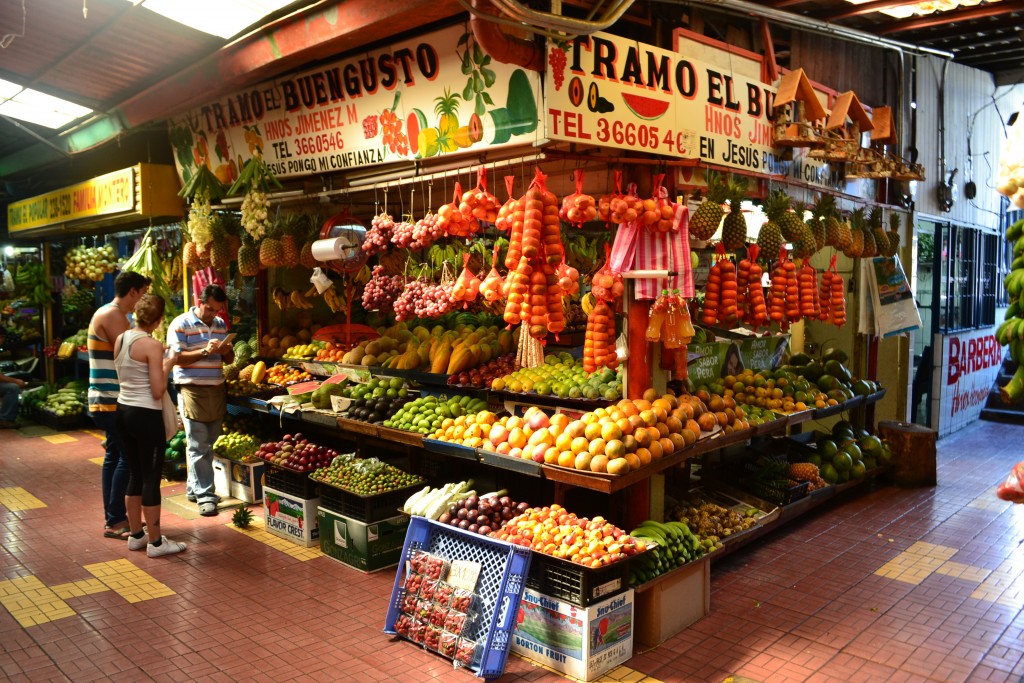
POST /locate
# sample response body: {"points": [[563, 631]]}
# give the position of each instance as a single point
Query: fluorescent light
{"points": [[36, 107], [909, 9], [224, 18]]}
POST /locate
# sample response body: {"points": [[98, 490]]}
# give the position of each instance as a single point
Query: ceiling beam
{"points": [[941, 18], [779, 4], [1008, 57], [993, 30], [851, 11]]}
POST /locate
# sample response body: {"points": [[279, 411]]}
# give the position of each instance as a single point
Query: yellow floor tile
{"points": [[97, 461], [31, 603], [77, 589], [963, 571], [931, 550], [910, 567], [128, 581], [17, 498], [60, 438], [95, 432], [617, 675], [257, 532]]}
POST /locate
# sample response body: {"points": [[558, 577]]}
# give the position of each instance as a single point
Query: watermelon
{"points": [[645, 107], [413, 125]]}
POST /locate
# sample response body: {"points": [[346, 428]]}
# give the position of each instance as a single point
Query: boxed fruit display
{"points": [[238, 479], [582, 643], [366, 547], [673, 602], [290, 517]]}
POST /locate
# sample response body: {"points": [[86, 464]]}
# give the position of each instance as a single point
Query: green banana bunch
{"points": [[673, 545]]}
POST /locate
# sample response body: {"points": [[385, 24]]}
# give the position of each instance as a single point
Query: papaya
{"points": [[259, 372], [440, 357]]}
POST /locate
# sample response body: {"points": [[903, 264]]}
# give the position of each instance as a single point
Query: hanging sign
{"points": [[610, 91], [436, 95], [100, 196]]}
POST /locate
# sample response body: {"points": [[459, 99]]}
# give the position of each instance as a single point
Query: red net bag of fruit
{"points": [[493, 286], [467, 285], [578, 208], [568, 278], [505, 213], [617, 207], [606, 284], [451, 219], [478, 202]]}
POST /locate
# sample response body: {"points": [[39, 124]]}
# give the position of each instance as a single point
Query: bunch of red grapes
{"points": [[381, 291], [426, 232], [402, 236], [379, 234], [424, 299], [557, 60]]}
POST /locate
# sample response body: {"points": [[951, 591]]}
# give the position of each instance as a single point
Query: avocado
{"points": [[838, 370], [861, 388], [827, 383], [813, 371], [799, 359], [836, 355]]}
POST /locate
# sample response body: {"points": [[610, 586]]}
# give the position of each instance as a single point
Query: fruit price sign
{"points": [[610, 91], [435, 95]]}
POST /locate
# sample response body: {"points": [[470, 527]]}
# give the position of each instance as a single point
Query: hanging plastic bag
{"points": [[1013, 488], [504, 220], [451, 219], [478, 202], [568, 278], [467, 286], [578, 208], [617, 207], [668, 214]]}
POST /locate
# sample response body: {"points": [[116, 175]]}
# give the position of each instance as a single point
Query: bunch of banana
{"points": [[438, 255], [334, 300], [581, 253], [393, 261], [1011, 331], [674, 545], [296, 299], [31, 282], [588, 302]]}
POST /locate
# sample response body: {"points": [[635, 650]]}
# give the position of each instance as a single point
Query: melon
{"points": [[647, 108], [496, 126], [413, 125]]}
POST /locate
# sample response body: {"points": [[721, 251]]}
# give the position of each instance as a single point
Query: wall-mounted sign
{"points": [[435, 95], [964, 372], [610, 91], [104, 195]]}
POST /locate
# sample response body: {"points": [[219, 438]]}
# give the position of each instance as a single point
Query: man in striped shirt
{"points": [[109, 321], [198, 335]]}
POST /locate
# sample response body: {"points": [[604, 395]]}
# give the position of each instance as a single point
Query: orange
{"points": [[614, 449], [643, 437], [690, 436], [678, 441], [579, 445], [560, 420], [563, 441], [618, 466], [662, 429], [593, 431], [656, 450], [597, 446], [582, 461], [633, 460], [644, 456], [625, 426], [551, 455], [660, 412], [636, 422], [628, 408], [599, 463], [667, 447], [649, 417], [576, 428], [642, 404], [674, 424], [629, 443], [567, 459], [610, 430]]}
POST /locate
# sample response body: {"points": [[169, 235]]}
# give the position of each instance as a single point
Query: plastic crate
{"points": [[778, 494], [175, 470], [503, 572], [366, 509], [292, 483], [66, 423], [575, 583]]}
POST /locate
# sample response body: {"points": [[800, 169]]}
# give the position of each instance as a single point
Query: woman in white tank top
{"points": [[142, 373]]}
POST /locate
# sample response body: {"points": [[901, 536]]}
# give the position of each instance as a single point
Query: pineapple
{"points": [[870, 247], [290, 251], [271, 252], [306, 256], [803, 471], [817, 225], [231, 372], [734, 228], [220, 254], [770, 238], [791, 224], [825, 207], [708, 216], [248, 259], [245, 374], [234, 244], [242, 517], [856, 249], [191, 258], [894, 234], [845, 240], [805, 245], [878, 232]]}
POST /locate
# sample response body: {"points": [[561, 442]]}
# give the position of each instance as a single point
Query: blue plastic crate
{"points": [[499, 591]]}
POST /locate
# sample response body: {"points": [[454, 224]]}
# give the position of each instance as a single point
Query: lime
{"points": [[827, 448], [829, 474], [858, 469], [854, 450]]}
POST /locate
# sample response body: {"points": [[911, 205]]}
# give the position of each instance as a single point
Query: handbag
{"points": [[170, 415]]}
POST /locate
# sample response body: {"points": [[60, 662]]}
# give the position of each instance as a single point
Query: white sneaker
{"points": [[137, 543], [166, 547]]}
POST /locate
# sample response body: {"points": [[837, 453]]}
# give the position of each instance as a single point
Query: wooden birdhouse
{"points": [[842, 132], [884, 134], [796, 112]]}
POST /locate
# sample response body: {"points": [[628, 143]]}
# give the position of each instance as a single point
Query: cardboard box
{"points": [[237, 479], [290, 517], [581, 642], [672, 602], [363, 546]]}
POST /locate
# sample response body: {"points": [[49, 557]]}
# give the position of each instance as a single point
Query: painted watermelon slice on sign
{"points": [[645, 107]]}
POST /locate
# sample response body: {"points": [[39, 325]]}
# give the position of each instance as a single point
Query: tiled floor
{"points": [[892, 585]]}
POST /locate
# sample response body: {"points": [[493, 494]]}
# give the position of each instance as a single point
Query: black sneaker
{"points": [[191, 497]]}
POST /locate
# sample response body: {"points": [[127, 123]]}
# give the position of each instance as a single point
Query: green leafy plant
{"points": [[242, 518], [480, 78]]}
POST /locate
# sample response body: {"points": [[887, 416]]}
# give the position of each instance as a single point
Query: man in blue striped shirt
{"points": [[197, 336]]}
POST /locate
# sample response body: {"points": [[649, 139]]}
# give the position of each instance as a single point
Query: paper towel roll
{"points": [[329, 249]]}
